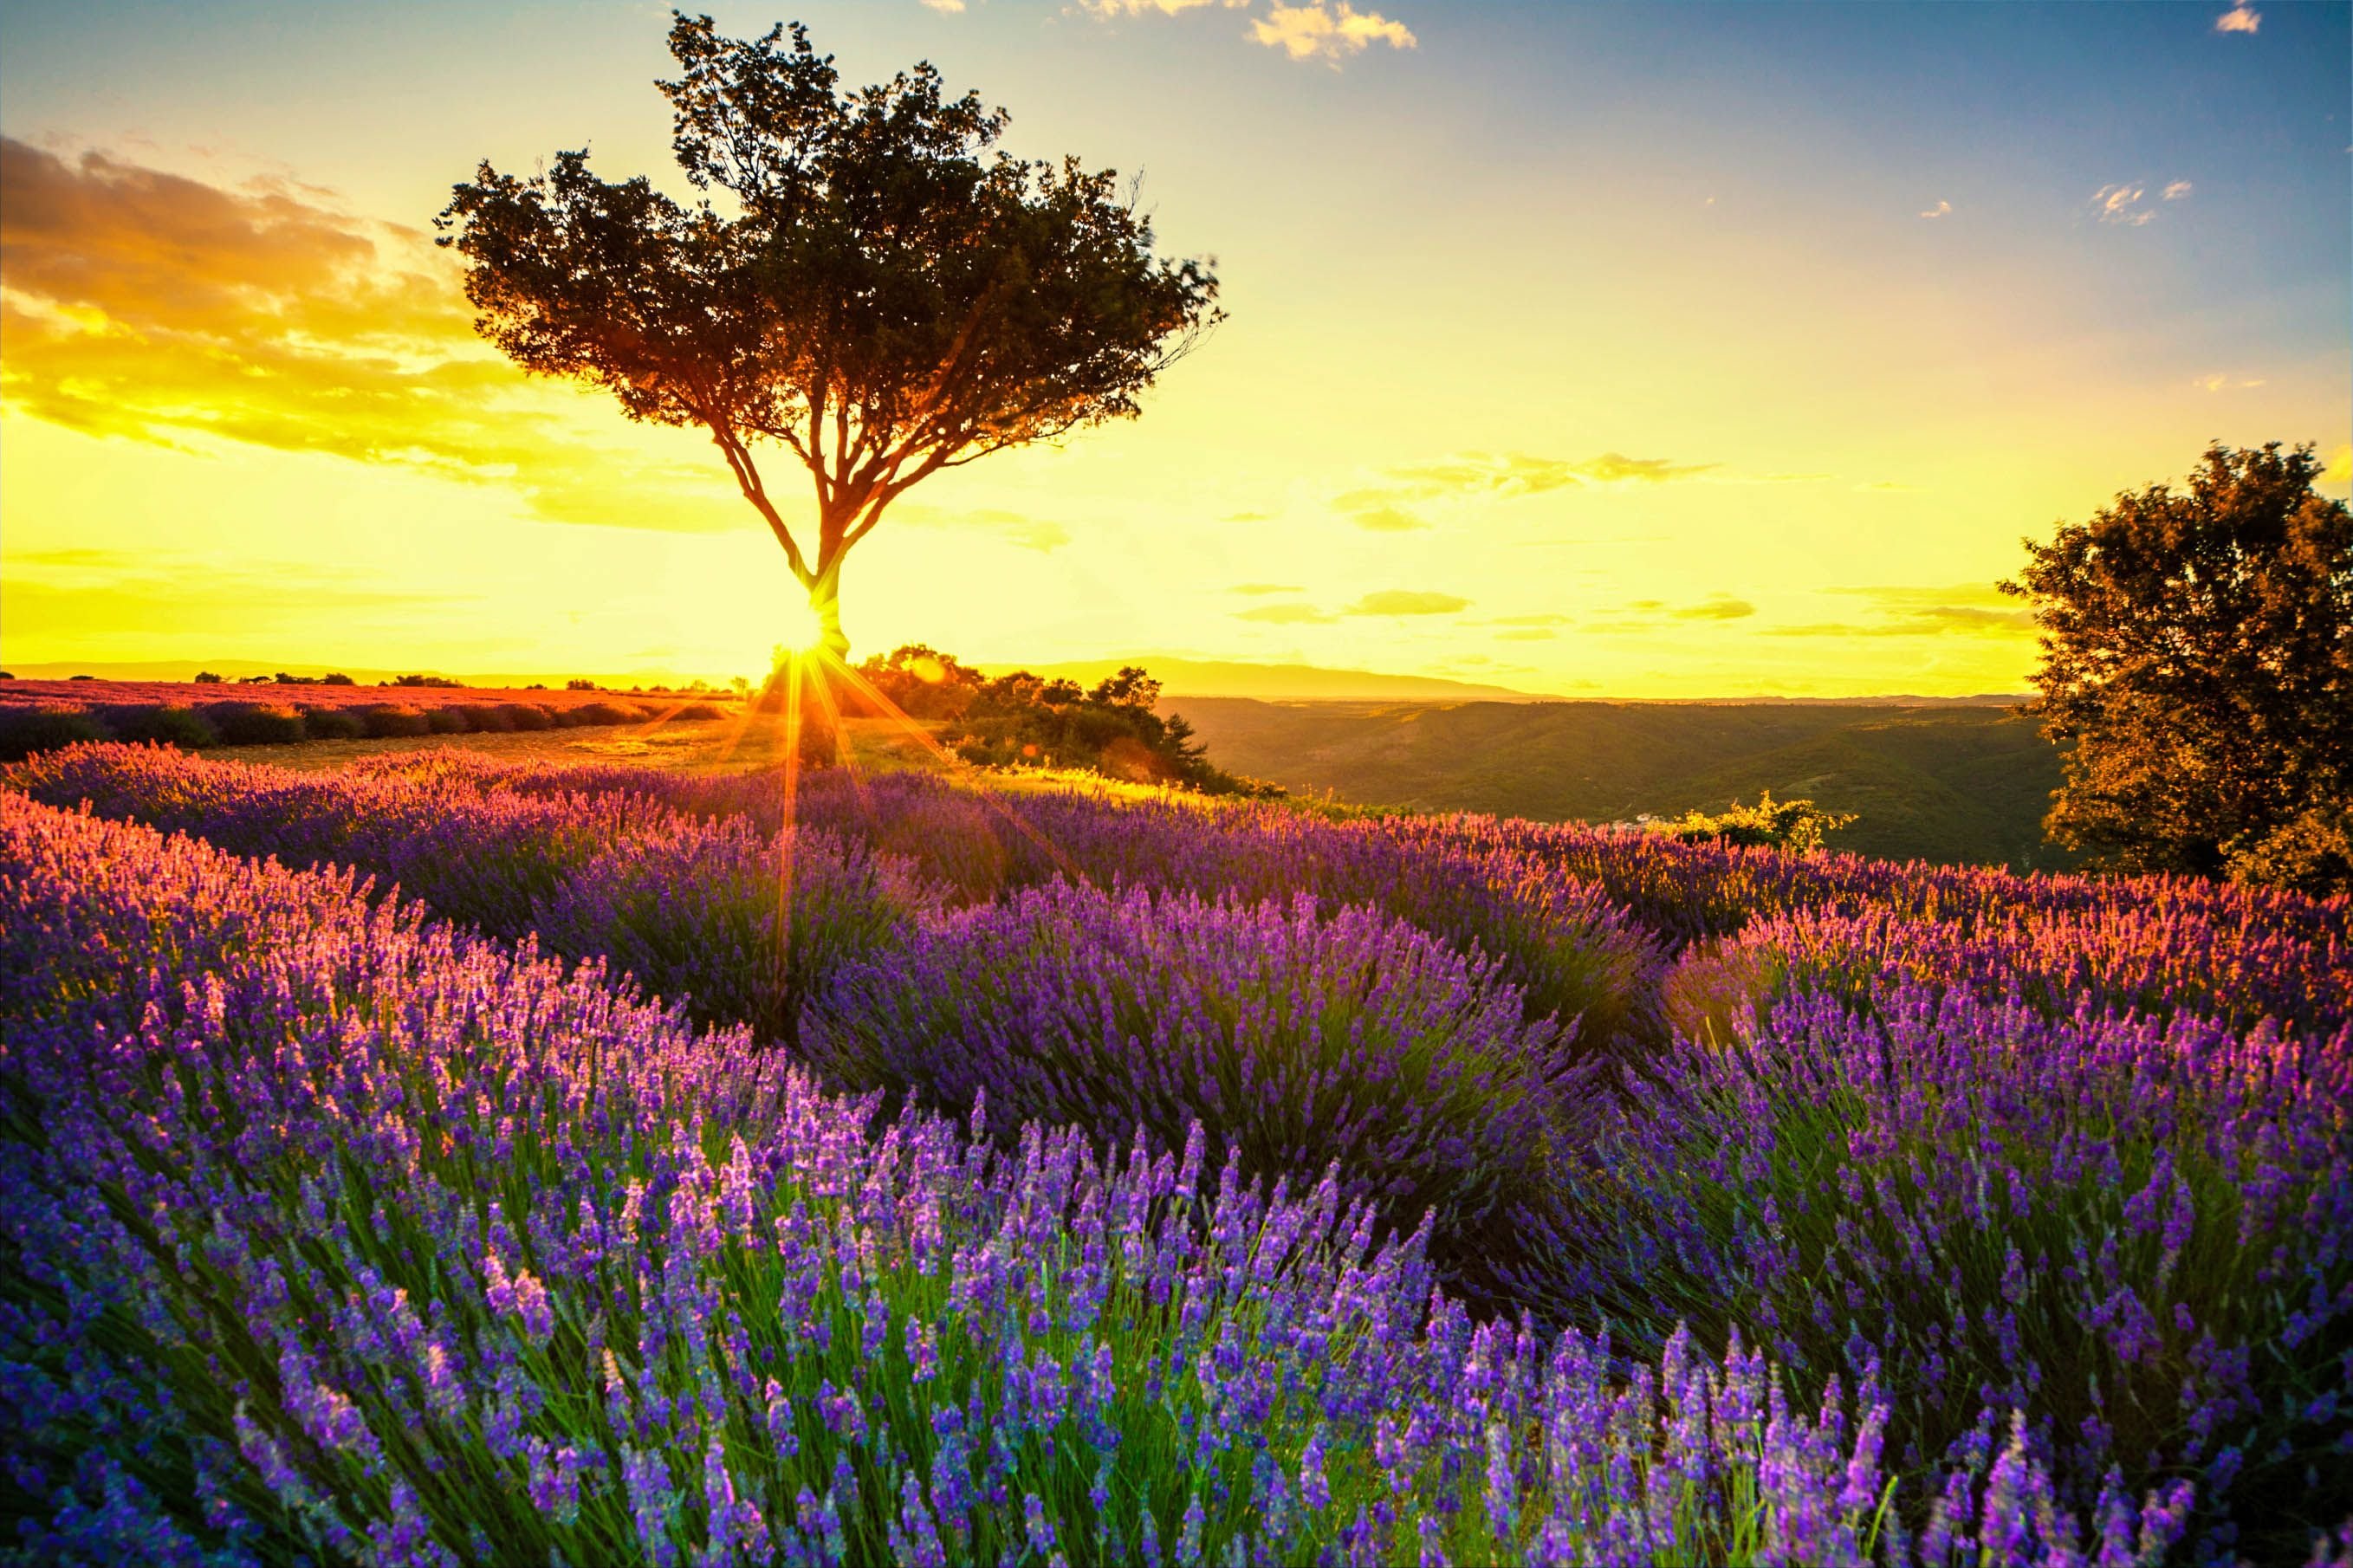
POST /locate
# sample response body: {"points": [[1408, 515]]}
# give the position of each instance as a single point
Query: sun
{"points": [[798, 629]]}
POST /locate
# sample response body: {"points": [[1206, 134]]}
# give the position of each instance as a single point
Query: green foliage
{"points": [[1797, 825], [25, 730], [255, 723], [878, 288], [206, 677], [438, 681], [167, 725], [333, 724], [389, 720], [2198, 668]]}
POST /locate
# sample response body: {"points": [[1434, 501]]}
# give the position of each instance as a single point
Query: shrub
{"points": [[387, 720], [333, 723], [254, 723], [445, 719], [162, 724], [527, 716], [206, 677], [587, 714], [1797, 825], [700, 710], [483, 718], [27, 729], [1299, 1038], [577, 684]]}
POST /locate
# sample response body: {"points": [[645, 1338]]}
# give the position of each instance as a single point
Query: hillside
{"points": [[1952, 783]]}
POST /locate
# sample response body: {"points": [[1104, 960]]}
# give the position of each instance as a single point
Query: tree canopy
{"points": [[865, 281], [2198, 668]]}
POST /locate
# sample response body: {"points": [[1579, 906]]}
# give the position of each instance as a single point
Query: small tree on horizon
{"points": [[2198, 669], [879, 290]]}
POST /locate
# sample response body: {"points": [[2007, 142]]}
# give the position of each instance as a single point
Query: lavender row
{"points": [[1298, 1033], [2138, 1234], [338, 1235], [2154, 943]]}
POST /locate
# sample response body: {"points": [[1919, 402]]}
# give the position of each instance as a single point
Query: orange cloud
{"points": [[153, 306]]}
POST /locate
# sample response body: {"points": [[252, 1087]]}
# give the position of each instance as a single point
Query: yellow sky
{"points": [[1575, 420]]}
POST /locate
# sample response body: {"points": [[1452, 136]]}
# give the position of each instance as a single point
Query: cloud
{"points": [[153, 306], [1527, 633], [1492, 475], [1327, 31], [1715, 607], [1266, 588], [2238, 18], [1408, 602], [1296, 614], [2121, 203], [1942, 209], [1543, 620], [1387, 520], [2341, 467], [1971, 609], [1248, 517], [2176, 190], [947, 8], [2219, 383]]}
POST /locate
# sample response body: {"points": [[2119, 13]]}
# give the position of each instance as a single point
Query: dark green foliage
{"points": [[2198, 671], [333, 724], [337, 680], [206, 677], [254, 723], [588, 713], [577, 684], [699, 711], [24, 731], [441, 680], [167, 725], [483, 718], [386, 720], [526, 716], [878, 288], [445, 719]]}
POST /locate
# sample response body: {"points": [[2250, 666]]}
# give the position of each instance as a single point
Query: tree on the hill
{"points": [[2197, 668], [877, 289]]}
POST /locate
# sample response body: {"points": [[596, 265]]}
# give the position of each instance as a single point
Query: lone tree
{"points": [[2197, 661], [876, 289]]}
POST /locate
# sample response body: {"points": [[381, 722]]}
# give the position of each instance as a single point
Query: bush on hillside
{"points": [[25, 730], [1797, 825], [445, 720], [168, 725], [333, 724], [526, 716], [386, 720], [592, 713], [255, 723]]}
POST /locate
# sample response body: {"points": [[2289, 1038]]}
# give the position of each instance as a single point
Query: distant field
{"points": [[1949, 783]]}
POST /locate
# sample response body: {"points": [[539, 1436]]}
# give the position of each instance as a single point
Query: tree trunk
{"points": [[825, 598]]}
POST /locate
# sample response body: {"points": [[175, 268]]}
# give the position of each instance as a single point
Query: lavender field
{"points": [[451, 1161]]}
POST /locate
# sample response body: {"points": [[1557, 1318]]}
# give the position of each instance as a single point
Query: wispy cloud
{"points": [[1260, 588], [1969, 609], [1942, 209], [2219, 383], [947, 7], [1248, 517], [2127, 202], [1291, 614], [1408, 602], [1330, 32], [2240, 18], [1384, 519]]}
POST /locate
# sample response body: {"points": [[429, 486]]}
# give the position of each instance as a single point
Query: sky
{"points": [[1598, 350]]}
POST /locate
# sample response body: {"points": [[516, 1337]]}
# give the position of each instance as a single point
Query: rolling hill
{"points": [[1947, 782]]}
